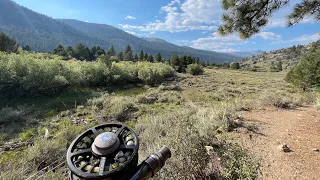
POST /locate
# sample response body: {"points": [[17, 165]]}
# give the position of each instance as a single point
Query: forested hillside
{"points": [[43, 33]]}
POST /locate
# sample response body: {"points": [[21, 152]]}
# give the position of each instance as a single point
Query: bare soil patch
{"points": [[299, 129]]}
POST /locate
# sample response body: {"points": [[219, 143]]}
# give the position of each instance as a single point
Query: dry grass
{"points": [[318, 103], [286, 100], [186, 116]]}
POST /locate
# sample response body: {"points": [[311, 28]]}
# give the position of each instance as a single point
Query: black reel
{"points": [[104, 151]]}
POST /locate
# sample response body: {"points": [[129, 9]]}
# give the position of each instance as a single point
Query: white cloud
{"points": [[219, 43], [306, 38], [268, 36], [187, 16], [182, 41], [228, 50], [273, 23], [279, 23], [87, 21], [129, 17], [131, 32]]}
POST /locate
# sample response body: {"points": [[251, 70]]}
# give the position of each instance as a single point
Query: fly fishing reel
{"points": [[110, 151]]}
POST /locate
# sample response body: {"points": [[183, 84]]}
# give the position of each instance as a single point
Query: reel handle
{"points": [[149, 167]]}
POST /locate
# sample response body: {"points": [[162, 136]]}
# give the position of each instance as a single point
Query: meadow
{"points": [[192, 115]]}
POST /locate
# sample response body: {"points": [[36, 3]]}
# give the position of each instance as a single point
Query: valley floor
{"points": [[298, 129], [190, 114]]}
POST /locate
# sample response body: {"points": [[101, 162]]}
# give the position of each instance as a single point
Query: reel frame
{"points": [[75, 153]]}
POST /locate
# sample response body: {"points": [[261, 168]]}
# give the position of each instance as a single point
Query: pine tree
{"points": [[81, 52], [197, 60], [279, 66], [7, 44], [127, 50], [128, 56], [26, 48], [188, 60], [306, 74], [70, 51], [150, 58], [58, 50], [91, 55], [248, 17], [111, 51], [141, 55], [120, 56], [193, 60], [146, 56], [174, 61], [136, 58], [94, 50], [158, 57], [100, 52]]}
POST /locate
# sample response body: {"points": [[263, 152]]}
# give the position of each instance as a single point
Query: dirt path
{"points": [[299, 129]]}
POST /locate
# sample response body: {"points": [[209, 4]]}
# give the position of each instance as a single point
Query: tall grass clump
{"points": [[118, 107], [286, 100], [30, 74], [178, 133]]}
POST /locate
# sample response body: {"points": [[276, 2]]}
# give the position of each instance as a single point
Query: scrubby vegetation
{"points": [[306, 74], [28, 73], [161, 116], [195, 69], [192, 115]]}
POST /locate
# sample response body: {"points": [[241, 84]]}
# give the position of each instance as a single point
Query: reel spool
{"points": [[108, 151]]}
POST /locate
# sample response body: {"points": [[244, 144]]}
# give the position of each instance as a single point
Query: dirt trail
{"points": [[299, 129]]}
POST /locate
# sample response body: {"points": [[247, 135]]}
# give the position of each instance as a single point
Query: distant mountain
{"points": [[120, 39], [44, 34], [246, 53], [41, 32]]}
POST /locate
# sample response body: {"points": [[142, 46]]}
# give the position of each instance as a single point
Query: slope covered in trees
{"points": [[153, 46], [43, 33], [40, 32]]}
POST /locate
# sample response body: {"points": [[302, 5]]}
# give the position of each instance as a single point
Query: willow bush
{"points": [[30, 73]]}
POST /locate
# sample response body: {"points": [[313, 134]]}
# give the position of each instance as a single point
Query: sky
{"points": [[182, 22]]}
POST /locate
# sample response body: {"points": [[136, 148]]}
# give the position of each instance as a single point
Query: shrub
{"points": [[33, 73], [177, 133], [194, 69], [237, 163], [235, 65], [154, 73], [306, 74], [281, 99]]}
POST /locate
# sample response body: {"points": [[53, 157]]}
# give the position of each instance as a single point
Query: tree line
{"points": [[81, 52]]}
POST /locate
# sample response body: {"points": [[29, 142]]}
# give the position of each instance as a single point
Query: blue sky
{"points": [[183, 22]]}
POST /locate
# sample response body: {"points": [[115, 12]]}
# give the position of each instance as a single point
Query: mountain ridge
{"points": [[44, 34]]}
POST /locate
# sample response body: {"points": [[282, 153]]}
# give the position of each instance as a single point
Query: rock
{"points": [[315, 149], [46, 134], [283, 148], [80, 107], [209, 149]]}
